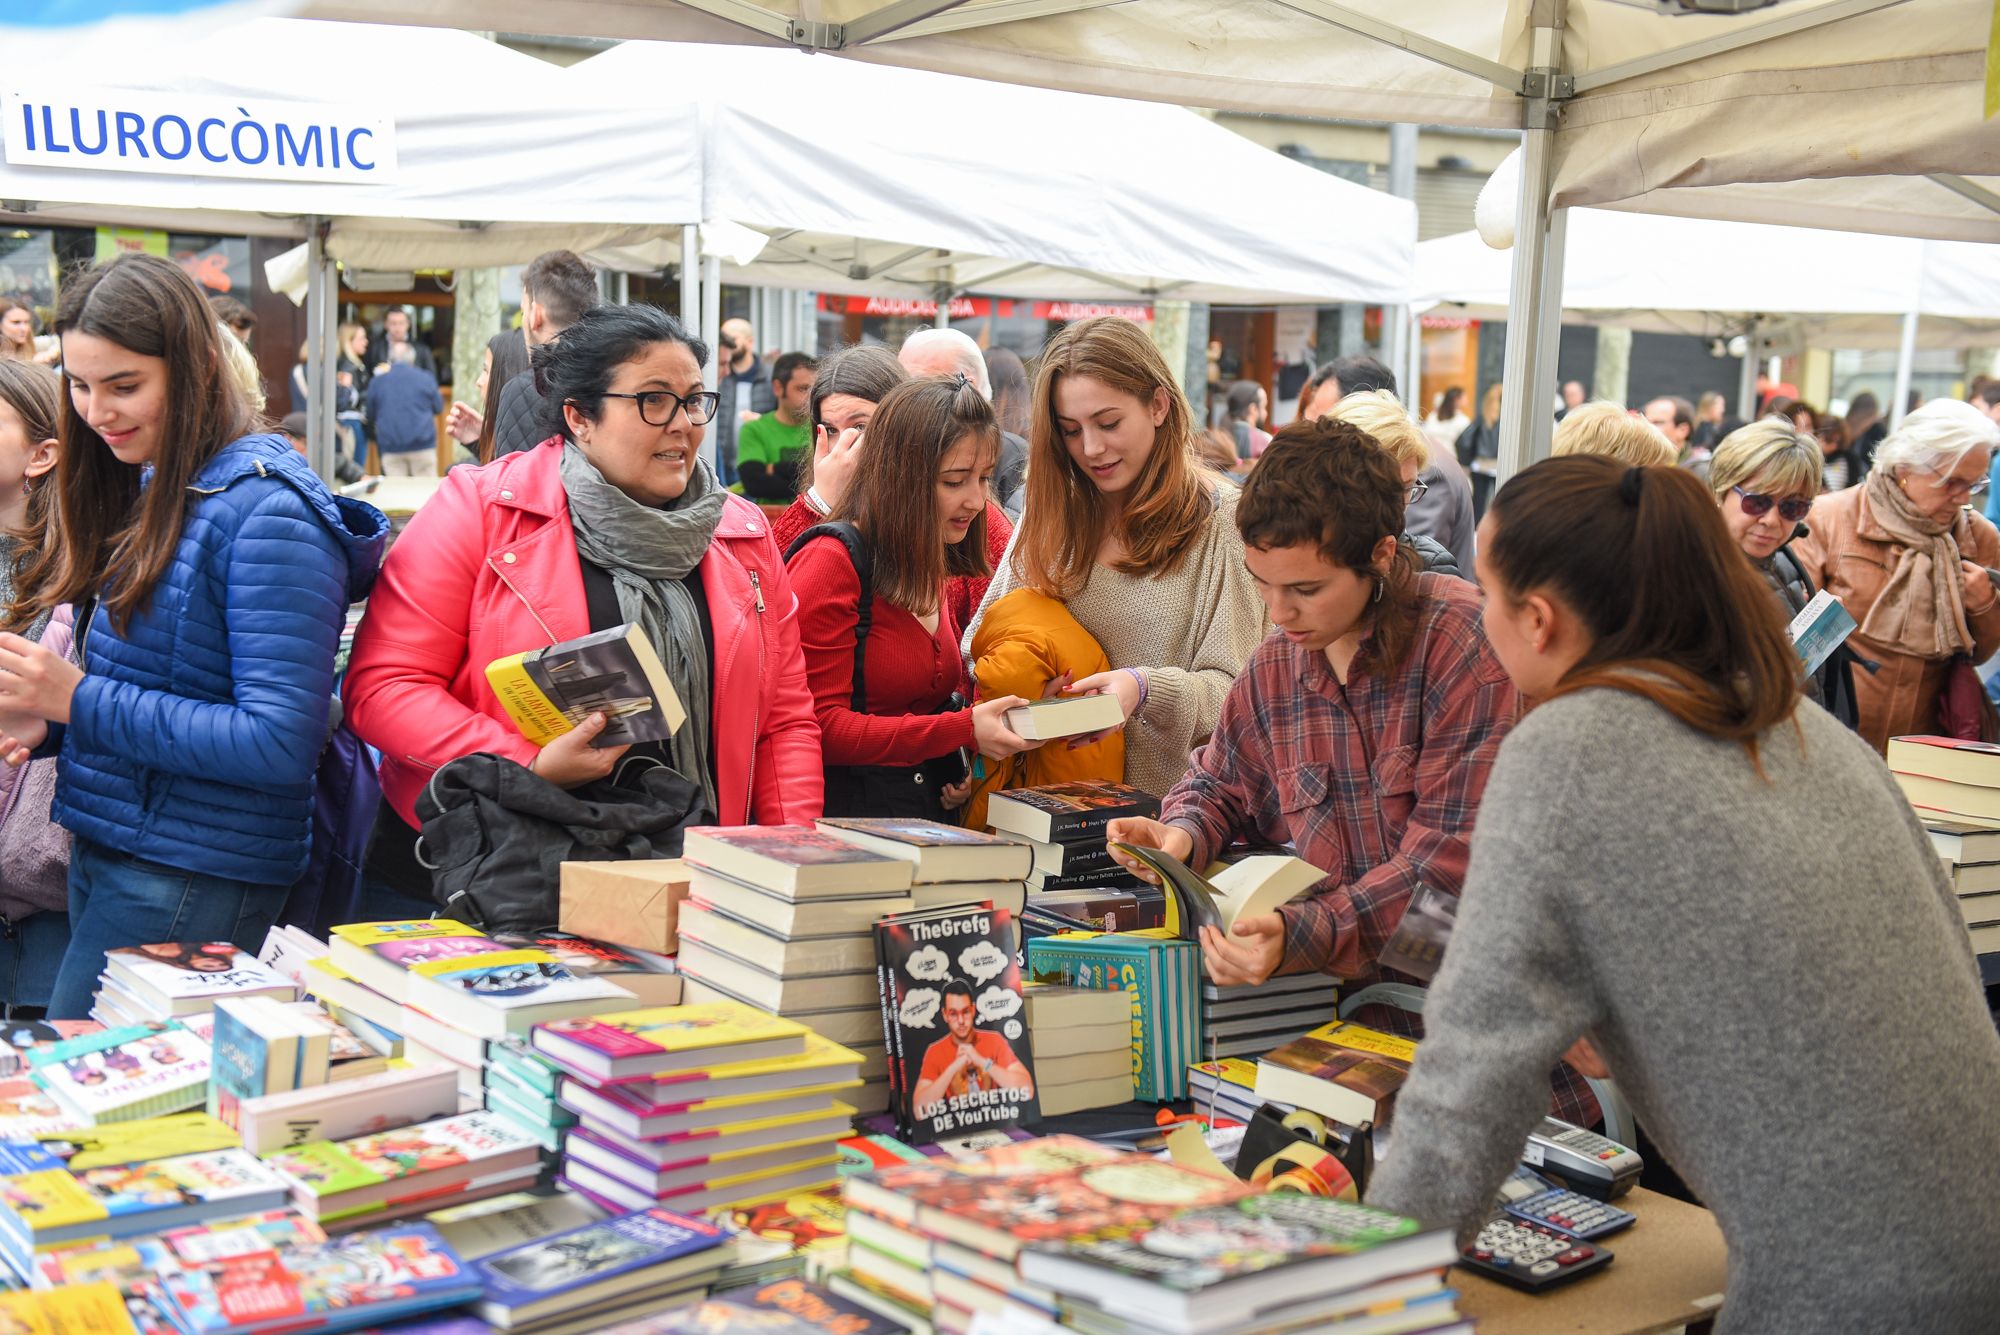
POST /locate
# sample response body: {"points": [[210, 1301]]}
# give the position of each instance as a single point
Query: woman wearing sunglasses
{"points": [[618, 520], [1907, 557], [1765, 477]]}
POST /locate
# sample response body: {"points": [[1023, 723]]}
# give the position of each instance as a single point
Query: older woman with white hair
{"points": [[1765, 477], [1907, 556], [1388, 423]]}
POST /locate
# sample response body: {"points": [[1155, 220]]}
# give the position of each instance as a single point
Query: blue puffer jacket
{"points": [[195, 735]]}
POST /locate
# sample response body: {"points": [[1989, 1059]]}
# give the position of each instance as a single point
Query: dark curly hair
{"points": [[1328, 483], [578, 367]]}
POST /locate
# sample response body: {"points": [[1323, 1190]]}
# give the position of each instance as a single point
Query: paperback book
{"points": [[180, 978], [378, 955], [615, 672], [401, 1096], [121, 1074], [959, 1055], [797, 861], [643, 1250], [331, 1180], [640, 1044], [1159, 974], [261, 1046], [784, 1307], [651, 979], [497, 993], [937, 852], [1066, 812], [1345, 1071]]}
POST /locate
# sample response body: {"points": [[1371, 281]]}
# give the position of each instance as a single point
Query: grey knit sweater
{"points": [[1780, 982]]}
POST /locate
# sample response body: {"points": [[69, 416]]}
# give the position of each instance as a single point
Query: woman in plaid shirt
{"points": [[1360, 733]]}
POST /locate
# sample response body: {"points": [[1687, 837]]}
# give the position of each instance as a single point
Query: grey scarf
{"points": [[647, 553]]}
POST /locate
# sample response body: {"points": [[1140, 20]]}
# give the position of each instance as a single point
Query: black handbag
{"points": [[902, 792], [495, 835]]}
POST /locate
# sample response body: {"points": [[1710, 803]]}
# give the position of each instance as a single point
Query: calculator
{"points": [[1561, 1209], [1530, 1256]]}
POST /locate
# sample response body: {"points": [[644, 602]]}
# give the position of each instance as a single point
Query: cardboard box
{"points": [[634, 904]]}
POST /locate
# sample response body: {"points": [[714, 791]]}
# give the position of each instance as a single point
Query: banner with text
{"points": [[105, 129]]}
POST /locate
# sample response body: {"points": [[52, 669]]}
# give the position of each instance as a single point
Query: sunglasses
{"points": [[1756, 504]]}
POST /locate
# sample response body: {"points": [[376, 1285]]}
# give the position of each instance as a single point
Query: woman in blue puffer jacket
{"points": [[211, 570]]}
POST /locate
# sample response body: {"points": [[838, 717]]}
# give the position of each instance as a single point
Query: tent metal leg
{"points": [[322, 308], [711, 332], [1533, 319], [1906, 361], [690, 279], [1746, 385]]}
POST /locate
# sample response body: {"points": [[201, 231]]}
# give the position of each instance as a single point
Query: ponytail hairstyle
{"points": [[861, 371], [1674, 612], [115, 539], [1327, 482], [1066, 518], [31, 392], [893, 501]]}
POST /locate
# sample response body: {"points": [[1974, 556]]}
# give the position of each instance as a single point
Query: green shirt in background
{"points": [[777, 447]]}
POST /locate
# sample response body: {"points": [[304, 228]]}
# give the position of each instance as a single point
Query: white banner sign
{"points": [[167, 133]]}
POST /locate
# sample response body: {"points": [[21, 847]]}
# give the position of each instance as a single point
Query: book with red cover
{"points": [[797, 861]]}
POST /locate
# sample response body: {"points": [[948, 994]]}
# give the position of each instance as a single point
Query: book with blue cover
{"points": [[650, 1250], [1161, 975]]}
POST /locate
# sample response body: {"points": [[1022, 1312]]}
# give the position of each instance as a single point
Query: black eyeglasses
{"points": [[658, 406], [1756, 504], [1416, 491]]}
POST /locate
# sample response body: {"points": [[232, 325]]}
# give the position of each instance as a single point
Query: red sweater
{"points": [[910, 670], [961, 592]]}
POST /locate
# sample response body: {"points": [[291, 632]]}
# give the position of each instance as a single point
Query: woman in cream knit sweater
{"points": [[1125, 528]]}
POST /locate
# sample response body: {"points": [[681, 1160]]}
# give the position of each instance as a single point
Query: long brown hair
{"points": [[117, 540], [1328, 483], [1066, 518], [893, 501], [8, 352], [1674, 611], [29, 390], [510, 358]]}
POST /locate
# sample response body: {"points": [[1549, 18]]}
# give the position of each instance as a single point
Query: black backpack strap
{"points": [[864, 566]]}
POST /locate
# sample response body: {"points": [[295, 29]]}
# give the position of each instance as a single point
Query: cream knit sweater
{"points": [[1192, 631]]}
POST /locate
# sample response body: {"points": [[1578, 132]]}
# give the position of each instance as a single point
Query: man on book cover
{"points": [[967, 1059]]}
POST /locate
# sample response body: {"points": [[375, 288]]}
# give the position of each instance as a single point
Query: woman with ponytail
{"points": [[1655, 886]]}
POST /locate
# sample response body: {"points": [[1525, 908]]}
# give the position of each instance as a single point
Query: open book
{"points": [[1240, 890]]}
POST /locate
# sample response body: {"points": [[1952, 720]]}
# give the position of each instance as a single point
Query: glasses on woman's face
{"points": [[1416, 491], [1757, 504], [658, 406], [1958, 486]]}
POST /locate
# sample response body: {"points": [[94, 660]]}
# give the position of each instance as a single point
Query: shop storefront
{"points": [[1019, 325]]}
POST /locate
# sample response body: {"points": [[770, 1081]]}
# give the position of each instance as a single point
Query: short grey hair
{"points": [[926, 345], [1937, 437], [402, 354]]}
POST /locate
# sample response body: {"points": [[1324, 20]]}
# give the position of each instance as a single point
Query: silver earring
{"points": [[1379, 582]]}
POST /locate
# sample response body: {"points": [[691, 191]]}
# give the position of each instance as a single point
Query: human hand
{"points": [[990, 733], [835, 459], [1251, 953], [955, 794], [464, 424], [1057, 685], [345, 378], [1143, 832], [1118, 683], [569, 761], [746, 418], [35, 681], [19, 735], [1977, 585], [1584, 1058]]}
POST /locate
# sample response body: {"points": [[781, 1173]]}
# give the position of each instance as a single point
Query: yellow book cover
{"points": [[614, 672], [819, 1054], [1230, 1071], [748, 1100], [50, 1199], [1367, 1040], [384, 933], [76, 1309], [733, 1179], [695, 1027], [766, 1123], [115, 1143], [489, 960]]}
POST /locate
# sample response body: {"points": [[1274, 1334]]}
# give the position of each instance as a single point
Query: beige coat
{"points": [[1848, 553]]}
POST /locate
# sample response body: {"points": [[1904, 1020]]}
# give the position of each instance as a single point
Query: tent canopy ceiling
{"points": [[895, 182], [493, 165], [1662, 109]]}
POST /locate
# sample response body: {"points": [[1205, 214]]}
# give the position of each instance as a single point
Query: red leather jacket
{"points": [[489, 568]]}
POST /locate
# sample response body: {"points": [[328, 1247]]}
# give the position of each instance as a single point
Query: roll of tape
{"points": [[1306, 1124]]}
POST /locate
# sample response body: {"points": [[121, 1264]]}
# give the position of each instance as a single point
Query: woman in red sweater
{"points": [[897, 741], [846, 388]]}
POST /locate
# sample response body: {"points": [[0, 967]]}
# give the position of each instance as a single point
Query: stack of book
{"points": [[521, 1086], [46, 1205], [118, 1075], [1971, 857], [1341, 1070], [129, 1267], [1082, 1041], [404, 1094], [142, 984], [1132, 909], [652, 979], [406, 1171], [588, 1277], [1160, 977], [1251, 1019], [258, 1046], [782, 918], [950, 867], [699, 1107], [1063, 824]]}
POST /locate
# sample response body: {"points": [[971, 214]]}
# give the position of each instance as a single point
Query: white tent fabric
{"points": [[1683, 275], [494, 164], [896, 182], [1798, 124]]}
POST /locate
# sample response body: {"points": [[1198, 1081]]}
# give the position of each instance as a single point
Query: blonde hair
{"points": [[1606, 428], [1387, 422], [242, 369], [1788, 462]]}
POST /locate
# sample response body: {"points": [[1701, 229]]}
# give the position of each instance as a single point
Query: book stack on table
{"points": [[699, 1107], [126, 1073], [1082, 1041], [407, 1170], [1955, 787], [521, 1086], [1159, 976], [594, 1275], [1129, 909], [1063, 824], [782, 918], [161, 983], [1249, 1020]]}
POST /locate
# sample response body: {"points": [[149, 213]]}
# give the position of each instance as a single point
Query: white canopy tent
{"points": [[905, 183], [1838, 289], [1815, 112]]}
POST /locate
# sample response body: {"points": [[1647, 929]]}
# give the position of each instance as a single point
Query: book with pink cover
{"points": [[794, 860], [638, 1044]]}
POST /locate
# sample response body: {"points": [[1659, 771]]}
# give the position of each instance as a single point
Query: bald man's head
{"points": [[930, 352], [739, 343]]}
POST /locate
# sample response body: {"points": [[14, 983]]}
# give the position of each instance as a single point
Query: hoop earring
{"points": [[1379, 583]]}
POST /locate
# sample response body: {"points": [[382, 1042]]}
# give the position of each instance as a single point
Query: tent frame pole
{"points": [[690, 279], [1676, 56], [322, 310], [1906, 362], [1746, 380], [1534, 299], [711, 331]]}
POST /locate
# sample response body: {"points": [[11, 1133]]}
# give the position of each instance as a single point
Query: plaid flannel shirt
{"points": [[1377, 782]]}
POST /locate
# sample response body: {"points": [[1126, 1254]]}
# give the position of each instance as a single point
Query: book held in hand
{"points": [[1066, 716], [1245, 889], [614, 672], [959, 1054], [1821, 626]]}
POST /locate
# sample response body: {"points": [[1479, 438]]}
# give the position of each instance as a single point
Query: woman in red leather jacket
{"points": [[618, 520]]}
